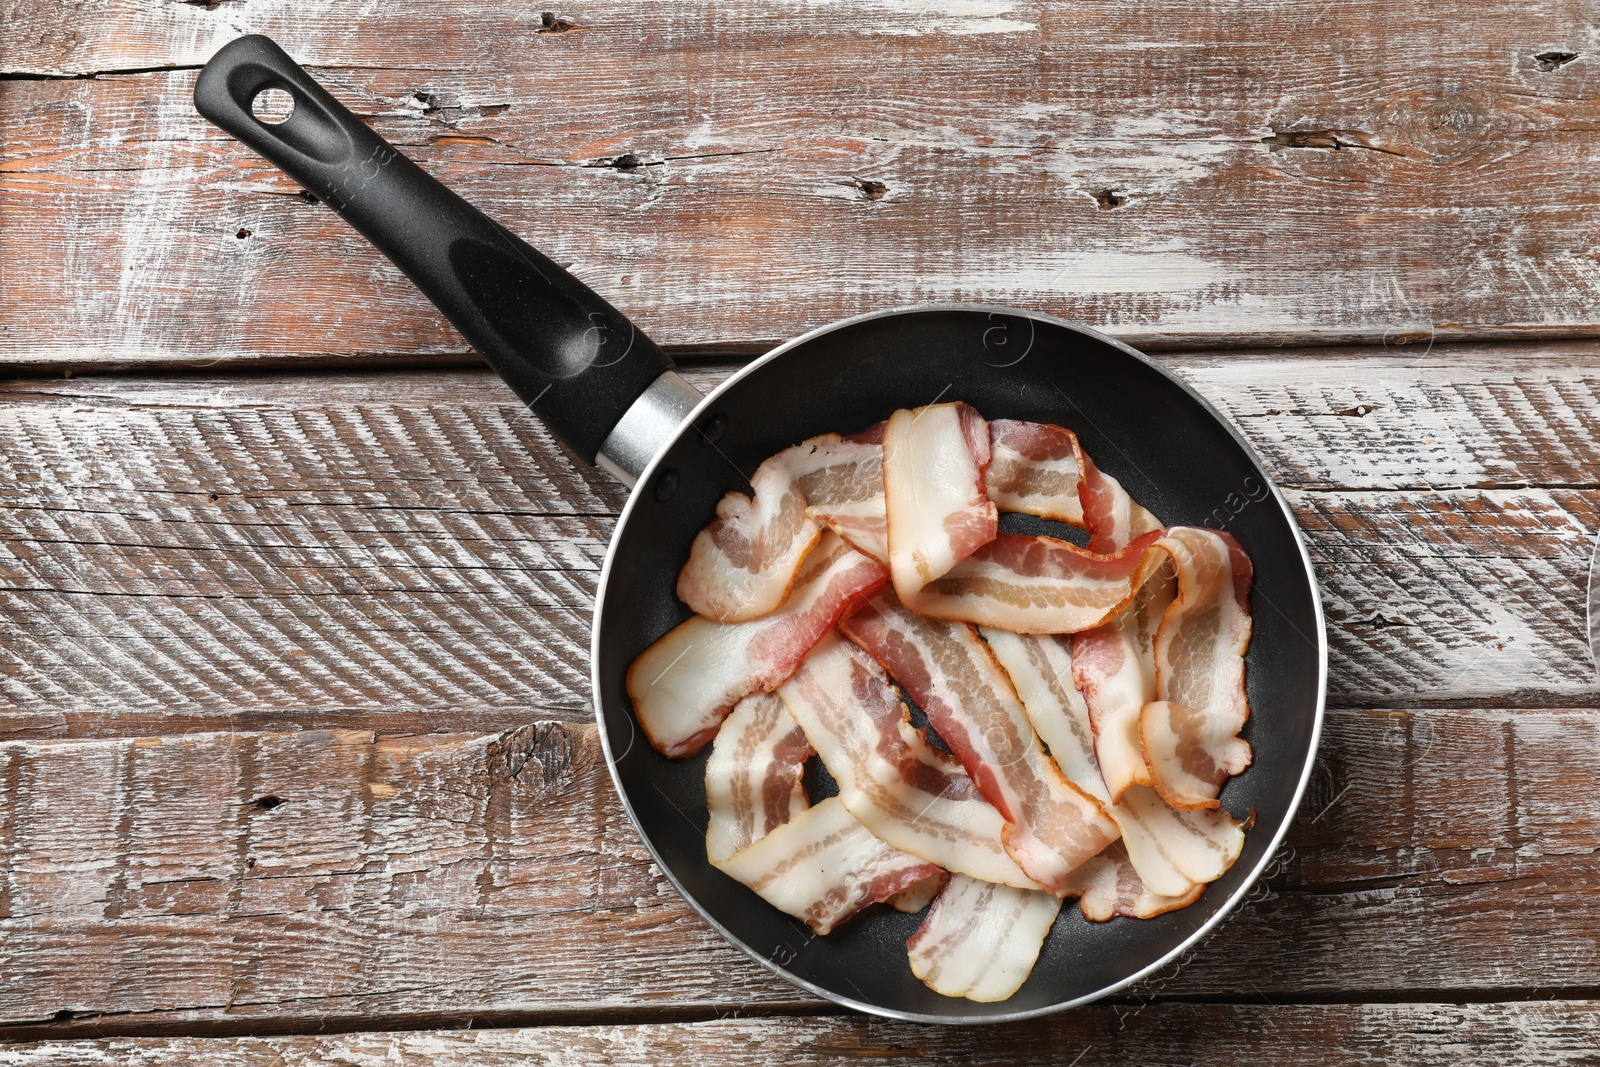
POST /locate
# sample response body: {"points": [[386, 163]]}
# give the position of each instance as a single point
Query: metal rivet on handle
{"points": [[712, 429], [666, 485]]}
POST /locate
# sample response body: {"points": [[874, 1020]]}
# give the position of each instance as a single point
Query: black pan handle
{"points": [[572, 357]]}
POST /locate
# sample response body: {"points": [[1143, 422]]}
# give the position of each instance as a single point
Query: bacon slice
{"points": [[684, 685], [1041, 668], [860, 522], [1040, 469], [1109, 885], [1034, 469], [933, 465], [743, 565], [1190, 735], [890, 778], [981, 940], [1114, 668], [823, 866], [1038, 585], [918, 896], [753, 775], [1113, 518], [1052, 826], [1173, 850], [1191, 751]]}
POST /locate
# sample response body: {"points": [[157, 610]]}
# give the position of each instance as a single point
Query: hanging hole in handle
{"points": [[272, 106]]}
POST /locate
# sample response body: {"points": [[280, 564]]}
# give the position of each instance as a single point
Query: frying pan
{"points": [[610, 395]]}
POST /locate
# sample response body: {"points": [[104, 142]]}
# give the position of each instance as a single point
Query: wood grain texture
{"points": [[411, 552], [1353, 1035], [281, 881], [734, 174]]}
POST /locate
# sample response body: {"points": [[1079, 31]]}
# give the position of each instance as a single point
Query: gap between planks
{"points": [[128, 1032]]}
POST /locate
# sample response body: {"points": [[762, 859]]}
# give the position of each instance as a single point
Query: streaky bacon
{"points": [[910, 794], [1052, 826], [1113, 666], [1041, 668], [1108, 885], [1191, 752], [743, 565], [1039, 585], [1041, 469], [753, 775], [684, 684], [1173, 850], [1151, 624], [1035, 470], [822, 866], [1190, 735], [860, 522], [1113, 518], [917, 896], [933, 480], [981, 940]]}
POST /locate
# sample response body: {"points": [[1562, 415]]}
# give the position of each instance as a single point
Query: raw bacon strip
{"points": [[846, 495], [1191, 752], [683, 685], [1041, 669], [1052, 826], [1042, 470], [890, 778], [1114, 668], [981, 940], [822, 867], [742, 566], [860, 522], [917, 897], [1191, 734], [1171, 849], [753, 775], [1113, 519], [933, 463], [1108, 885], [1034, 469], [1037, 585]]}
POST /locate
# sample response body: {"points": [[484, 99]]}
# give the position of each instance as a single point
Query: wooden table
{"points": [[296, 762]]}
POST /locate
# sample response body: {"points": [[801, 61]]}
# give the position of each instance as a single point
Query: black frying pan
{"points": [[608, 393]]}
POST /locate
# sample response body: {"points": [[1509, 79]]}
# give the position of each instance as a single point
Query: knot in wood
{"points": [[535, 758], [1438, 127]]}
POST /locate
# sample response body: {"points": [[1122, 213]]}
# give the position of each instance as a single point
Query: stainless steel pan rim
{"points": [[646, 479]]}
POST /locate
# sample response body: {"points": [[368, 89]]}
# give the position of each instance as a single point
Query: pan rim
{"points": [[1240, 893]]}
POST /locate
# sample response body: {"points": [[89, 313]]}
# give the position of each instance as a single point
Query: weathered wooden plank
{"points": [[412, 551], [1183, 173], [1342, 1035], [331, 615], [1413, 414], [269, 880]]}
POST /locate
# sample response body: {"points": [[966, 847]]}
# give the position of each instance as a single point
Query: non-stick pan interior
{"points": [[1174, 455]]}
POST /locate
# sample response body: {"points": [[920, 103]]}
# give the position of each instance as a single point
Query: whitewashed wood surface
{"points": [[412, 547], [732, 174]]}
